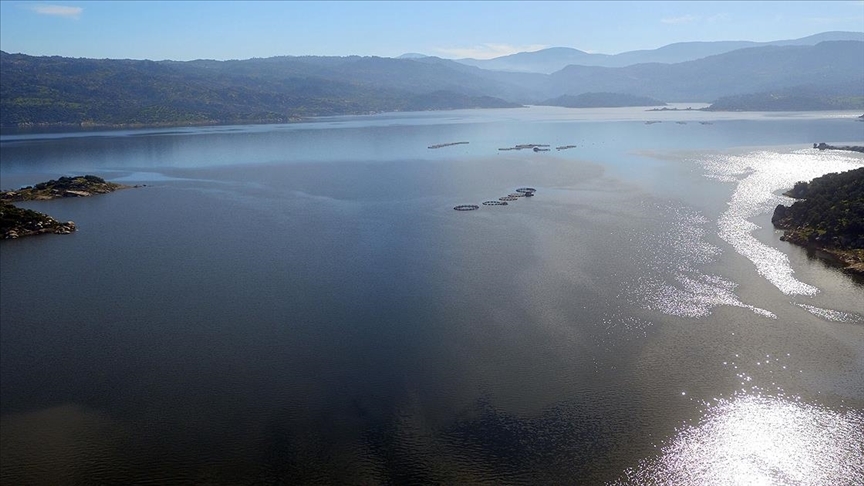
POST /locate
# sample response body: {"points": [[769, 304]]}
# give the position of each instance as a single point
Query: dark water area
{"points": [[300, 304]]}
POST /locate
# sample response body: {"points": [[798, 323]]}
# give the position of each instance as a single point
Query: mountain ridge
{"points": [[53, 90], [544, 61]]}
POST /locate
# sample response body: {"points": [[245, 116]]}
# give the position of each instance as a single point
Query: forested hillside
{"points": [[829, 215], [46, 91], [65, 91]]}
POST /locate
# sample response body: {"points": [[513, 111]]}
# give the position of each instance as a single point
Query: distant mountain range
{"points": [[75, 92], [748, 70], [547, 61]]}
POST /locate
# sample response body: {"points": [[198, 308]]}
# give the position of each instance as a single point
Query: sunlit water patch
{"points": [[832, 315], [759, 176], [761, 440], [672, 282]]}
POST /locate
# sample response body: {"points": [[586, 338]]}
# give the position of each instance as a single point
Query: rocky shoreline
{"points": [[850, 261], [18, 222]]}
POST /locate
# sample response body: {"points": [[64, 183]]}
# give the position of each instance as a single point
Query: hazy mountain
{"points": [[550, 60], [601, 100], [412, 55], [845, 95], [750, 70], [814, 39], [544, 61], [525, 88]]}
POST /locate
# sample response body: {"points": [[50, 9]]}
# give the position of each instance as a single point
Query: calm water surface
{"points": [[300, 304]]}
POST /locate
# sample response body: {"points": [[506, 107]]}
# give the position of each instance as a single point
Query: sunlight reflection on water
{"points": [[759, 175], [756, 439], [832, 315], [673, 283]]}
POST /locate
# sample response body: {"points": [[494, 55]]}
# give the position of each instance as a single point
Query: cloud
{"points": [[487, 51], [58, 11], [684, 19]]}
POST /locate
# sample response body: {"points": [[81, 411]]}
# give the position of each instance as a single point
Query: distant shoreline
{"points": [[62, 127], [65, 127]]}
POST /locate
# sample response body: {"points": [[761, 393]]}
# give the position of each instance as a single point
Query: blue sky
{"points": [[184, 30]]}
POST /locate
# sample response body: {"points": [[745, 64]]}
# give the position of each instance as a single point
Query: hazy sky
{"points": [[241, 30]]}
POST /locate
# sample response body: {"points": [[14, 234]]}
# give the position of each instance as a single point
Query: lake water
{"points": [[300, 304]]}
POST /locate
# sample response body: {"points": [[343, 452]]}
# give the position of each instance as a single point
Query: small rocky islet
{"points": [[850, 148], [18, 222]]}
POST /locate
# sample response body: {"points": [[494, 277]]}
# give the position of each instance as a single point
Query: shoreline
{"points": [[848, 261], [83, 127]]}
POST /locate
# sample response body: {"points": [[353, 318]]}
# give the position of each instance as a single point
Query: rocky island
{"points": [[851, 148], [828, 217], [17, 222]]}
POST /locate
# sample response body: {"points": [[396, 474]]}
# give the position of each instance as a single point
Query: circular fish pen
{"points": [[494, 203], [507, 198], [466, 207], [526, 190], [516, 194]]}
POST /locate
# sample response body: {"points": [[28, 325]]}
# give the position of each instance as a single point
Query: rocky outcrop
{"points": [[851, 261], [17, 222], [79, 186], [851, 148]]}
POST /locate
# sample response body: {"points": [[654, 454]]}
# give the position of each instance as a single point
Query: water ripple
{"points": [[673, 283], [832, 315], [756, 439]]}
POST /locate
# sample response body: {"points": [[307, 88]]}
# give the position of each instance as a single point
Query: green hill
{"points": [[840, 96], [81, 92]]}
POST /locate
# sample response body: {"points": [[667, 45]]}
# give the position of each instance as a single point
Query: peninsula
{"points": [[828, 217], [17, 222], [851, 148]]}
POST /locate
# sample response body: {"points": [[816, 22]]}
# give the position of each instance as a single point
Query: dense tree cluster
{"points": [[830, 210]]}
